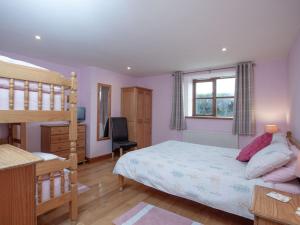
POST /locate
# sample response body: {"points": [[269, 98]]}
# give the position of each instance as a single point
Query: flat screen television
{"points": [[81, 114]]}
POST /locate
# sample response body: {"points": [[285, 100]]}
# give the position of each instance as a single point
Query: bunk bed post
{"points": [[10, 134], [73, 153], [23, 136]]}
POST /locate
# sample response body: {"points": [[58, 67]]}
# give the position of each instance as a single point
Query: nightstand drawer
{"points": [[261, 221], [269, 211]]}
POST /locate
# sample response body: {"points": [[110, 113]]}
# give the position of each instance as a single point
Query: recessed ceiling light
{"points": [[224, 49], [128, 67], [37, 37]]}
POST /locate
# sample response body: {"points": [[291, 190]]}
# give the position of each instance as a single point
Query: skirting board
{"points": [[3, 141], [98, 158]]}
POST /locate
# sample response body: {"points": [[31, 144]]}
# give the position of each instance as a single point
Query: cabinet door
{"points": [[128, 104], [148, 106], [147, 134], [147, 118], [140, 105], [132, 131], [140, 134]]}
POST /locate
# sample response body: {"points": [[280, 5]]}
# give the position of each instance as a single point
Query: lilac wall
{"points": [[33, 129], [294, 90], [88, 77], [88, 98], [270, 103], [270, 93]]}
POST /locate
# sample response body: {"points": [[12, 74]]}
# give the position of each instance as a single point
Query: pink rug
{"points": [[146, 214]]}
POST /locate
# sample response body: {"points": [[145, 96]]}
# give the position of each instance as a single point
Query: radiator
{"points": [[219, 139]]}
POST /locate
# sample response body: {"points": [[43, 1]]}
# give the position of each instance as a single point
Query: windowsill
{"points": [[209, 117]]}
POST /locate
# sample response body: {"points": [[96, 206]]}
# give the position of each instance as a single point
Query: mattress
{"points": [[33, 96], [57, 187], [205, 174]]}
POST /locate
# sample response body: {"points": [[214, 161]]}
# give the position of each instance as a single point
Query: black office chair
{"points": [[119, 135]]}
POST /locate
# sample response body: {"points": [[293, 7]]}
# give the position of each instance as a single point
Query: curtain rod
{"points": [[212, 69]]}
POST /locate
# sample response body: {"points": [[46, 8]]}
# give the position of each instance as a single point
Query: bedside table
{"points": [[268, 211]]}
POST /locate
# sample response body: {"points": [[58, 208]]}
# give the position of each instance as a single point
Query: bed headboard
{"points": [[29, 75]]}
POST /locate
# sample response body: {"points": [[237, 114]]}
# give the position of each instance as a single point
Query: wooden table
{"points": [[17, 186], [269, 211]]}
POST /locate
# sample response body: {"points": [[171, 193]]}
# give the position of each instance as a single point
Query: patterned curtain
{"points": [[244, 112], [177, 117]]}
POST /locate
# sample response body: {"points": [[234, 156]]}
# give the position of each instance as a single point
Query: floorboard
{"points": [[104, 202]]}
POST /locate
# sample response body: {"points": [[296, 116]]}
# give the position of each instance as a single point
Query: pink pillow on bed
{"points": [[285, 173], [255, 146], [290, 187], [282, 174]]}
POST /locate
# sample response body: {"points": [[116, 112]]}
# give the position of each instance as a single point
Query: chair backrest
{"points": [[119, 129]]}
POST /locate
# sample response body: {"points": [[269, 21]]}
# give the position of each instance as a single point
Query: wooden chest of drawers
{"points": [[55, 140]]}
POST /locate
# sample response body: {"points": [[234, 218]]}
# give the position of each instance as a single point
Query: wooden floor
{"points": [[104, 202]]}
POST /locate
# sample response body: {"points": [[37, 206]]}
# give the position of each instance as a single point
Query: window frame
{"points": [[214, 98]]}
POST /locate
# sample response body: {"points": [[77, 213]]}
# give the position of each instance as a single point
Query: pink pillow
{"points": [[295, 150], [285, 173], [282, 174], [255, 146], [290, 187]]}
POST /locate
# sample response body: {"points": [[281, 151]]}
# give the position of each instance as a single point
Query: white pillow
{"points": [[46, 156], [271, 157], [279, 138]]}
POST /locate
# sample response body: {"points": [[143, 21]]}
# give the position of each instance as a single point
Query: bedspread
{"points": [[205, 174]]}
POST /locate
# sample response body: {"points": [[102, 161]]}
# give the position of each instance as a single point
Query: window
{"points": [[214, 97]]}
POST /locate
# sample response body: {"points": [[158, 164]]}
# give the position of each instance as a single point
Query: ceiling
{"points": [[151, 36]]}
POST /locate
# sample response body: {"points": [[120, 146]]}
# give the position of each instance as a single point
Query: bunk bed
{"points": [[16, 135], [29, 93]]}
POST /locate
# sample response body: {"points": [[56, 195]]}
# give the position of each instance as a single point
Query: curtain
{"points": [[177, 116], [244, 113]]}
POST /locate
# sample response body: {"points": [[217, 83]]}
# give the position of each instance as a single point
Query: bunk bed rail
{"points": [[25, 73], [36, 82], [53, 171], [7, 116]]}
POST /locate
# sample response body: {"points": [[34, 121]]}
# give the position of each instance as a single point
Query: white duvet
{"points": [[205, 174]]}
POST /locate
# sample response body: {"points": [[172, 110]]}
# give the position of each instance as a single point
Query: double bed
{"points": [[205, 174]]}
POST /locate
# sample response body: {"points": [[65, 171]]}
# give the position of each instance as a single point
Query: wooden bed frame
{"points": [[289, 137], [52, 168], [16, 135]]}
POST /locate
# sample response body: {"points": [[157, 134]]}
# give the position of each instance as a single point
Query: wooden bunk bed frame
{"points": [[51, 168], [16, 135]]}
